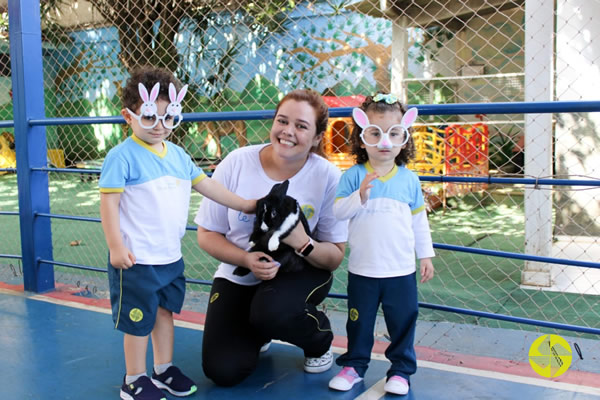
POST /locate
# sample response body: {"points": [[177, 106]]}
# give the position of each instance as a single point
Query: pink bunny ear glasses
{"points": [[148, 119]]}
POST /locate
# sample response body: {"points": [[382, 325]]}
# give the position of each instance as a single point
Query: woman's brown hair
{"points": [[321, 109]]}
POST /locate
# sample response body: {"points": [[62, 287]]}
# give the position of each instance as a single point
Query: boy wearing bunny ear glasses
{"points": [[388, 229], [145, 188]]}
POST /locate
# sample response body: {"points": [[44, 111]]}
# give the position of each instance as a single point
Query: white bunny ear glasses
{"points": [[149, 118], [396, 136]]}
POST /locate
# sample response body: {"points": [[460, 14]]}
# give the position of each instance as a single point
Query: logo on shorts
{"points": [[136, 315], [550, 356], [353, 314], [214, 297], [308, 211]]}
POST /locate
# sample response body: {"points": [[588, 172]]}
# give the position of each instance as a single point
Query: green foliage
{"points": [[439, 93], [434, 38], [78, 141], [502, 150], [260, 92], [347, 88]]}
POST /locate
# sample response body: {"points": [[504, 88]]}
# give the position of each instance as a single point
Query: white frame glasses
{"points": [[362, 120], [158, 118], [385, 136], [150, 110]]}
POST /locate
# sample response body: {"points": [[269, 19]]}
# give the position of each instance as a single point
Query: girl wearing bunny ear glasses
{"points": [[388, 228]]}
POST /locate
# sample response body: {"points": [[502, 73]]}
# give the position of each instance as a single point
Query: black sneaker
{"points": [[141, 389], [174, 382]]}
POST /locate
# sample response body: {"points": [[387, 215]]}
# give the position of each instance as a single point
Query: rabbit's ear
{"points": [[409, 118], [182, 93], [172, 92], [360, 117], [143, 92], [154, 92]]}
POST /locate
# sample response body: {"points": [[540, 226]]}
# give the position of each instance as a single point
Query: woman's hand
{"points": [[366, 185], [297, 237], [263, 270]]}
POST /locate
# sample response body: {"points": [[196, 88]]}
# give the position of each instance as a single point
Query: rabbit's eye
{"points": [[273, 214]]}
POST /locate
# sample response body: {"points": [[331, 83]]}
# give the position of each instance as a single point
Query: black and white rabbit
{"points": [[277, 214]]}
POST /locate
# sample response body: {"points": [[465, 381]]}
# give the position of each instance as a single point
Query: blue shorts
{"points": [[137, 292]]}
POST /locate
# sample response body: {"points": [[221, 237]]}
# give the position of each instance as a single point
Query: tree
{"points": [[148, 30], [349, 46]]}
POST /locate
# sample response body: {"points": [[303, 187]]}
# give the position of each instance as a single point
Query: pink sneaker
{"points": [[396, 385], [344, 381]]}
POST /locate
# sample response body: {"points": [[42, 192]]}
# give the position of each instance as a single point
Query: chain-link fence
{"points": [[247, 55]]}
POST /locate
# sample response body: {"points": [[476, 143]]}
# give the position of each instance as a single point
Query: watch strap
{"points": [[306, 249]]}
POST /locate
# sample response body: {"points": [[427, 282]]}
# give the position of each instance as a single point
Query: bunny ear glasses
{"points": [[396, 136], [149, 118]]}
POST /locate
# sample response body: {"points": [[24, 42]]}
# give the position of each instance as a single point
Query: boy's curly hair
{"points": [[148, 76], [405, 155]]}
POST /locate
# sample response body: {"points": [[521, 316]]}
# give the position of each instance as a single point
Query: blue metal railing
{"points": [[447, 109]]}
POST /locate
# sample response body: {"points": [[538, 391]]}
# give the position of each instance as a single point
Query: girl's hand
{"points": [[366, 185], [263, 270], [426, 269], [249, 206], [121, 258]]}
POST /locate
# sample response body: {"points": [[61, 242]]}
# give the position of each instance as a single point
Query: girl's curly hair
{"points": [[405, 155], [147, 75]]}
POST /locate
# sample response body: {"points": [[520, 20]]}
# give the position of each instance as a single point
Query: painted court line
{"points": [[376, 391], [546, 383], [195, 321]]}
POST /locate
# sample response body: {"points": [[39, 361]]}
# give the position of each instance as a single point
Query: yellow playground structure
{"points": [[8, 158], [454, 150]]}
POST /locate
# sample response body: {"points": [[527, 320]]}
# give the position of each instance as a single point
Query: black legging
{"points": [[240, 319]]}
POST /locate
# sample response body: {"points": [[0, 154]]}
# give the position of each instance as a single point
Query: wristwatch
{"points": [[306, 249]]}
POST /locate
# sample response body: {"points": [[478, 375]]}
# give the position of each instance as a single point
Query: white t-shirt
{"points": [[155, 196], [241, 172], [387, 231]]}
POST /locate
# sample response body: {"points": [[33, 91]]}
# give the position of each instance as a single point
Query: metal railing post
{"points": [[30, 142]]}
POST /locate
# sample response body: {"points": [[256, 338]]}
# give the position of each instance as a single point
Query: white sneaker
{"points": [[265, 347], [345, 380], [396, 385], [315, 365]]}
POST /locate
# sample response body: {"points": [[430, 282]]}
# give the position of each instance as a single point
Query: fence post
{"points": [[30, 142], [400, 58], [539, 26]]}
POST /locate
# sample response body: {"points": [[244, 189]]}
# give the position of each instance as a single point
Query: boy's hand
{"points": [[366, 185], [426, 269], [249, 206], [122, 258]]}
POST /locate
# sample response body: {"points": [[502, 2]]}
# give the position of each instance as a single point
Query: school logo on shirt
{"points": [[308, 211], [136, 315], [353, 314]]}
